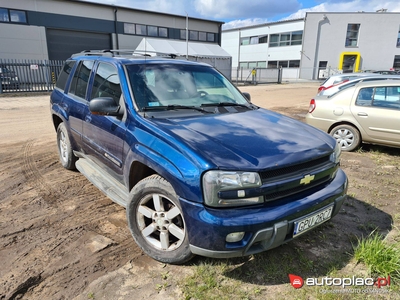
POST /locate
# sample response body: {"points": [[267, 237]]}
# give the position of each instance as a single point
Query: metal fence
{"points": [[29, 75], [261, 75]]}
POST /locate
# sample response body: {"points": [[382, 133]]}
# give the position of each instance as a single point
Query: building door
{"points": [[63, 43], [349, 62]]}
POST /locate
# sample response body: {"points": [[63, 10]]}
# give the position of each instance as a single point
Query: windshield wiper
{"points": [[250, 106], [173, 107]]}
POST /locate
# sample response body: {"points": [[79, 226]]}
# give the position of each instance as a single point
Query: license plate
{"points": [[312, 221]]}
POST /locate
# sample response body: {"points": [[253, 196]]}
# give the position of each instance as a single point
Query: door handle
{"points": [[362, 114], [88, 118]]}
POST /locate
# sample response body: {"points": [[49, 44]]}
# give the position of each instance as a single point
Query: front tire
{"points": [[347, 136], [67, 157], [156, 221]]}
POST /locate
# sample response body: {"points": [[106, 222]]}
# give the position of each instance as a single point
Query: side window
{"points": [[387, 97], [106, 82], [64, 74], [81, 77], [364, 97]]}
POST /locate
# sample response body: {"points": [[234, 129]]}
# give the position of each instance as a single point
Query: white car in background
{"points": [[346, 84], [341, 78]]}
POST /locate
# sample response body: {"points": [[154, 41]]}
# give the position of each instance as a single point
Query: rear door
{"points": [[75, 102], [377, 110]]}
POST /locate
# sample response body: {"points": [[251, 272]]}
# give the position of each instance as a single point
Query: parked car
{"points": [[344, 85], [198, 167], [9, 80], [366, 112], [337, 79], [386, 72]]}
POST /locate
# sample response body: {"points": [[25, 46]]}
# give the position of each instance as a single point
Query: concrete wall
{"points": [[22, 42], [324, 40]]}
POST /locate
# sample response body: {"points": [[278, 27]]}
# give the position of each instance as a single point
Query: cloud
{"points": [[229, 9], [243, 23]]}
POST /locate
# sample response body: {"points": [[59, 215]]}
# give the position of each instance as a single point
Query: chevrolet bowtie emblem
{"points": [[307, 179]]}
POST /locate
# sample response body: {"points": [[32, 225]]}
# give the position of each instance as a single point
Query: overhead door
{"points": [[62, 43]]}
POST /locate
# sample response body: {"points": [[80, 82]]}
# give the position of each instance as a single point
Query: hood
{"points": [[251, 140]]}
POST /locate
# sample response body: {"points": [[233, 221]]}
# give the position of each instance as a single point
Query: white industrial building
{"points": [[318, 45]]}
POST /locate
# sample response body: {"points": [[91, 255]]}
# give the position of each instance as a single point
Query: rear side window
{"points": [[81, 77], [64, 74]]}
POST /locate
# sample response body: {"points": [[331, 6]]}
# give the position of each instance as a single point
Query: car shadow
{"points": [[315, 253]]}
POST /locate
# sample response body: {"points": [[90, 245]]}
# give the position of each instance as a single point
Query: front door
{"points": [[377, 110], [104, 135]]}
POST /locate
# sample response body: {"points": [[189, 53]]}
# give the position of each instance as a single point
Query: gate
{"points": [[29, 75]]}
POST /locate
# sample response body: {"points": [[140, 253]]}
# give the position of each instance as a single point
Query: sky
{"points": [[241, 13]]}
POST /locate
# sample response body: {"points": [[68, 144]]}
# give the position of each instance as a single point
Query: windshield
{"points": [[157, 86]]}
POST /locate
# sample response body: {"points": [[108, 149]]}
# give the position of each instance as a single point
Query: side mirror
{"points": [[247, 95], [104, 106]]}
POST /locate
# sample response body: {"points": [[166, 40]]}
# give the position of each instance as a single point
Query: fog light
{"points": [[234, 237]]}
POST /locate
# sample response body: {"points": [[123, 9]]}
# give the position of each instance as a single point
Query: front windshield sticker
{"points": [[154, 103]]}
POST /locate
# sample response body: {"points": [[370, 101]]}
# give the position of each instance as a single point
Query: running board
{"points": [[107, 184]]}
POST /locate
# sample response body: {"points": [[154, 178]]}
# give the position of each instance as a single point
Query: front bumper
{"points": [[265, 227]]}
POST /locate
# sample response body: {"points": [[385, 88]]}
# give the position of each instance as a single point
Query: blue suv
{"points": [[198, 167]]}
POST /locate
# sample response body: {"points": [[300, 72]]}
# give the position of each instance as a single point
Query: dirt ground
{"points": [[61, 238]]}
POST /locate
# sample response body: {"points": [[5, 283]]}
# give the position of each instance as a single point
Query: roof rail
{"points": [[104, 52], [145, 53], [122, 52]]}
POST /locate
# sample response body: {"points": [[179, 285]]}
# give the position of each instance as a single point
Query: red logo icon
{"points": [[296, 281]]}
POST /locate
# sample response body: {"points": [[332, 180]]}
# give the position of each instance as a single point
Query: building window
{"points": [[286, 39], [210, 37], [297, 37], [398, 39], [183, 34], [274, 40], [202, 36], [141, 29], [283, 64], [294, 63], [263, 39], [273, 64], [152, 30], [162, 32], [396, 62], [254, 40], [352, 35], [261, 64], [243, 65], [4, 15], [193, 35], [129, 28], [12, 15], [244, 41]]}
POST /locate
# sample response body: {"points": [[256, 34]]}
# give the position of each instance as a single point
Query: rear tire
{"points": [[67, 157], [156, 221], [347, 136]]}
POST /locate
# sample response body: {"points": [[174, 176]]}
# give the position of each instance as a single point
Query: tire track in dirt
{"points": [[67, 218]]}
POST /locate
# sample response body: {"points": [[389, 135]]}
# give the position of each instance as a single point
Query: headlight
{"points": [[335, 156], [236, 183]]}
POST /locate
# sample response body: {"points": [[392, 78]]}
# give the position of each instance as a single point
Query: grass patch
{"points": [[381, 258]]}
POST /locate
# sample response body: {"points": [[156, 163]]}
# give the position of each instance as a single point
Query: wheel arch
{"points": [[56, 121], [345, 123], [137, 172]]}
